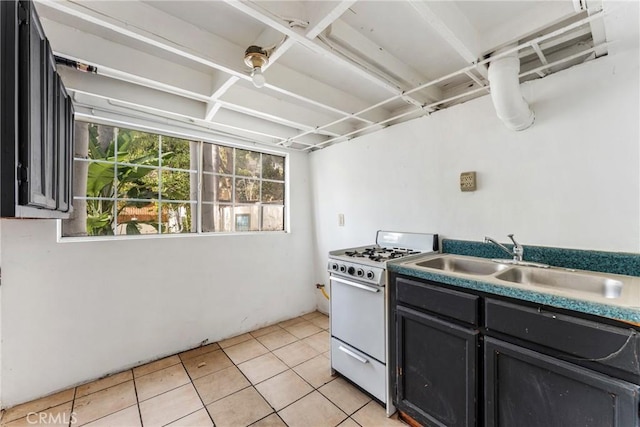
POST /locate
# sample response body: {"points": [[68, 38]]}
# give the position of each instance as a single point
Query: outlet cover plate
{"points": [[468, 181]]}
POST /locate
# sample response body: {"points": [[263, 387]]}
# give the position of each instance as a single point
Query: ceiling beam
{"points": [[136, 79], [212, 103], [354, 41], [454, 28], [265, 39], [551, 43], [89, 48], [324, 18], [597, 27], [261, 14], [282, 132], [265, 116], [323, 14], [150, 72], [174, 40], [142, 81], [176, 35], [292, 111], [131, 92], [168, 105], [541, 57], [100, 101], [98, 110]]}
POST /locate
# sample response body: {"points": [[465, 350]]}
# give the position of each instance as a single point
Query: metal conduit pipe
{"points": [[510, 106]]}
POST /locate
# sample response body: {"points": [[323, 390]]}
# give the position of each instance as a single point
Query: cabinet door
{"points": [[64, 157], [33, 113], [8, 100], [50, 168], [436, 369], [32, 172], [527, 389]]}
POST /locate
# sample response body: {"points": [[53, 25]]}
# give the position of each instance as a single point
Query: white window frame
{"points": [[199, 203]]}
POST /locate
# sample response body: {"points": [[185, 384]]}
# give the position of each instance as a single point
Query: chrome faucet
{"points": [[517, 252]]}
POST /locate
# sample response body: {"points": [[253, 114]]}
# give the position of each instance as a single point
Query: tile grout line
{"points": [[185, 416], [135, 389], [107, 388], [273, 376], [181, 362], [267, 379], [196, 389], [301, 397], [73, 404], [313, 388], [319, 392], [251, 385], [289, 368], [153, 372]]}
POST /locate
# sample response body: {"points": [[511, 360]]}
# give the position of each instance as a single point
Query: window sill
{"points": [[125, 237]]}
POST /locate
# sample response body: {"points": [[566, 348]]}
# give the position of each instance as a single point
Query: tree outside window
{"points": [[132, 182]]}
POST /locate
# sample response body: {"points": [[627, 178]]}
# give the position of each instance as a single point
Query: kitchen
{"points": [[572, 180]]}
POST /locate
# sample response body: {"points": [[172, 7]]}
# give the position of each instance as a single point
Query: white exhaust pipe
{"points": [[510, 106]]}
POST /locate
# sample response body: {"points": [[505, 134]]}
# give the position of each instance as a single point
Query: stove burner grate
{"points": [[380, 254]]}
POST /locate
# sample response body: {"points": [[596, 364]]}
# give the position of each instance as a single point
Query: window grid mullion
{"points": [[160, 184], [260, 195], [200, 167], [115, 181], [106, 162], [132, 199], [197, 200], [233, 192]]}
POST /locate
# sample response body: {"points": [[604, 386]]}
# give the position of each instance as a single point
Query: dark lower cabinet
{"points": [[527, 389], [437, 369], [466, 358]]}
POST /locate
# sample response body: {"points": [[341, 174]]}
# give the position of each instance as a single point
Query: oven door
{"points": [[358, 315]]}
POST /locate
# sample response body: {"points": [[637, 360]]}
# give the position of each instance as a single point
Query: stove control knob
{"points": [[351, 271], [334, 266], [370, 274], [360, 272], [342, 268]]}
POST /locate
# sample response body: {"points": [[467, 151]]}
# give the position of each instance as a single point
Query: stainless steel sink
{"points": [[463, 265], [593, 284]]}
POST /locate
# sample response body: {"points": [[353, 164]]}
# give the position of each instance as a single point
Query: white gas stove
{"points": [[359, 306]]}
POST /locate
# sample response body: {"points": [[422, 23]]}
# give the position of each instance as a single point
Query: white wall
{"points": [[1, 406], [571, 180], [72, 312]]}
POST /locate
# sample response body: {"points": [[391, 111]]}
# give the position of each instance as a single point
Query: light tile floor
{"points": [[274, 376]]}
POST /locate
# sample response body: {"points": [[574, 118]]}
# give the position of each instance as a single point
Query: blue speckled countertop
{"points": [[607, 262]]}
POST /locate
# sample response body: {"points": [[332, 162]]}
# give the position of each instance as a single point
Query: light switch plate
{"points": [[468, 181]]}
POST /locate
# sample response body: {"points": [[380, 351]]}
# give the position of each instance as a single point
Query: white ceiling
{"points": [[340, 68]]}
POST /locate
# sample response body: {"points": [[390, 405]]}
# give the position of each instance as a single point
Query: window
{"points": [[135, 182]]}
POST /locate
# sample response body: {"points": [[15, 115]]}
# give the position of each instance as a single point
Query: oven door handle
{"points": [[352, 354], [355, 285]]}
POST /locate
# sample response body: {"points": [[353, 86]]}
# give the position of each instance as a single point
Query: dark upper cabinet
{"points": [[37, 118], [64, 146], [8, 106], [32, 107]]}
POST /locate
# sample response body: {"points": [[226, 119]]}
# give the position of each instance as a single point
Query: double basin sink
{"points": [[542, 279]]}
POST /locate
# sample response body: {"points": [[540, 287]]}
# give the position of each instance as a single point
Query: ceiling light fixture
{"points": [[256, 58]]}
